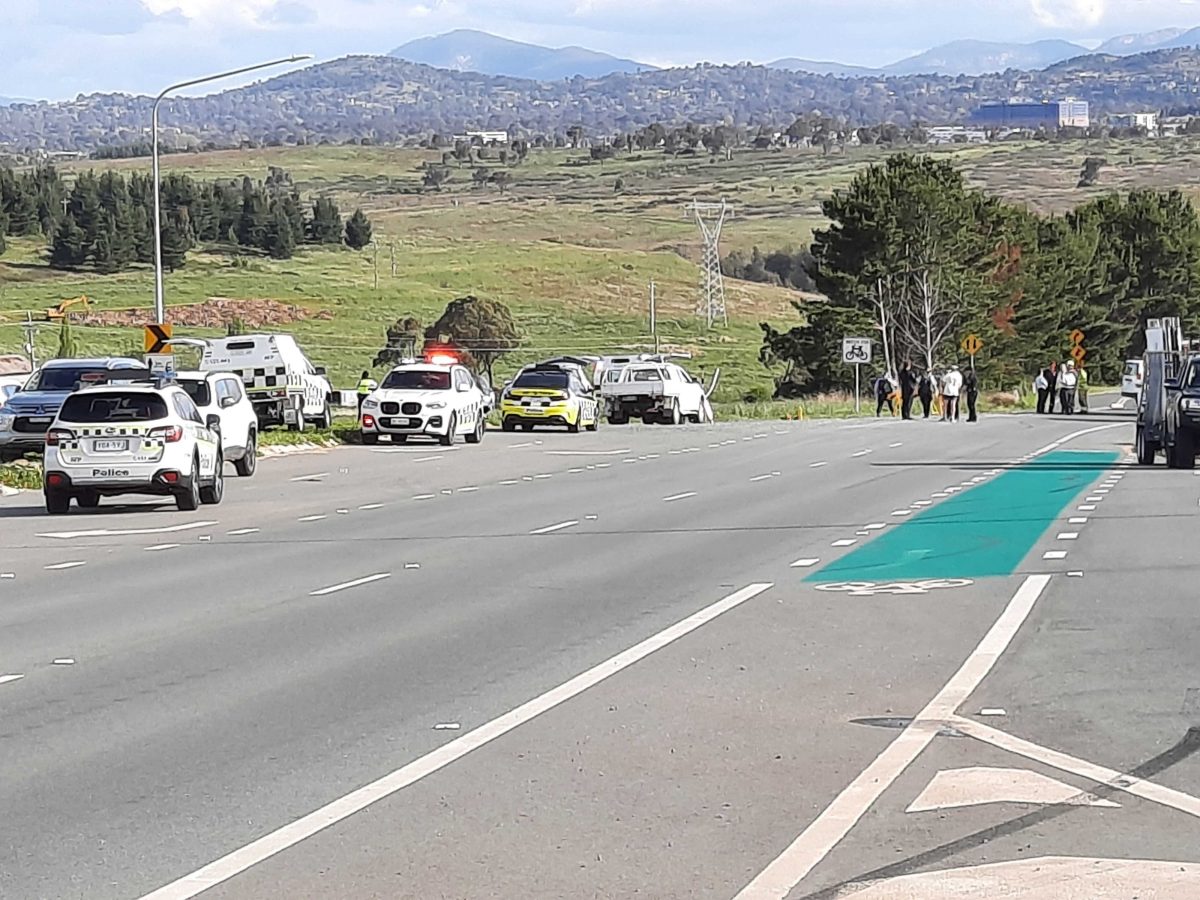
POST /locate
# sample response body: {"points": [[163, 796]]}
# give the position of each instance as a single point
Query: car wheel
{"points": [[594, 424], [214, 493], [448, 438], [1185, 450], [299, 424], [188, 497], [326, 420], [508, 425], [648, 419], [527, 426], [1146, 450], [676, 415], [573, 427], [370, 438], [617, 420], [477, 435], [248, 464], [57, 503]]}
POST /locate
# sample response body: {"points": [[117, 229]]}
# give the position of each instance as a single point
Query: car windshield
{"points": [[198, 391], [65, 378], [417, 380], [113, 407], [554, 381]]}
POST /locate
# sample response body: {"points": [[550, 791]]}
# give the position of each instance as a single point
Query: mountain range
{"points": [[477, 51]]}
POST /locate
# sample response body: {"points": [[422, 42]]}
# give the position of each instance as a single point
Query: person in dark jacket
{"points": [[925, 392], [883, 394], [908, 389], [971, 389], [1051, 386]]}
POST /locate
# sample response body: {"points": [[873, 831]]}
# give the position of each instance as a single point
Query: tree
{"points": [[175, 239], [482, 327], [575, 136], [69, 249], [3, 230], [68, 344], [280, 237], [253, 221], [810, 354], [462, 152], [402, 339], [143, 235], [358, 230], [326, 225], [480, 176], [434, 177], [502, 179], [1090, 173]]}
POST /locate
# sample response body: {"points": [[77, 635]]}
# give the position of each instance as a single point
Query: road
{"points": [[876, 658]]}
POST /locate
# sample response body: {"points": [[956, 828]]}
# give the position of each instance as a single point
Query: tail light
{"points": [[368, 421], [55, 435], [170, 434]]}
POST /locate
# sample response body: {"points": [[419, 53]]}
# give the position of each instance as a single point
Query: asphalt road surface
{"points": [[878, 659]]}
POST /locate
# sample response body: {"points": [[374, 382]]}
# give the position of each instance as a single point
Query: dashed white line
{"points": [[584, 452], [574, 471], [468, 489], [806, 563], [316, 517], [519, 446], [1086, 508], [428, 458], [121, 532], [357, 582], [162, 547], [603, 465], [1068, 536], [761, 477], [75, 564], [371, 506], [860, 453], [682, 496], [897, 444], [1094, 499], [6, 679], [1077, 520], [314, 477], [923, 503], [511, 481], [844, 542], [1055, 554], [817, 465], [901, 512], [940, 494], [876, 526], [559, 527], [424, 496], [238, 532], [544, 475]]}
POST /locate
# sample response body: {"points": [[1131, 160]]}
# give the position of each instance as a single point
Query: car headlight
{"points": [[436, 404], [370, 404], [6, 421], [1189, 404]]}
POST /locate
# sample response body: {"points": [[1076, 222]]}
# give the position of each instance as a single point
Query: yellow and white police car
{"points": [[438, 400], [548, 394], [131, 438]]}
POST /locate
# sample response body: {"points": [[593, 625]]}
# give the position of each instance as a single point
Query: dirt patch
{"points": [[215, 312]]}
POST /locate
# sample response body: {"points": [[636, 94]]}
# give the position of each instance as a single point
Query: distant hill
{"points": [[381, 99], [1124, 44], [817, 67], [7, 101], [978, 57], [1189, 38], [477, 51]]}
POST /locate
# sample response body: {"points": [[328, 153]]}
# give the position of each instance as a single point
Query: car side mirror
{"points": [[319, 370], [463, 388], [227, 402], [214, 424]]}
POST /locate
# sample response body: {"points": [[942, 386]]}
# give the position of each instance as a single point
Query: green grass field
{"points": [[570, 253]]}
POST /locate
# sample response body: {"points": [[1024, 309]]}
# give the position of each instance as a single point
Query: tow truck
{"points": [[1168, 414]]}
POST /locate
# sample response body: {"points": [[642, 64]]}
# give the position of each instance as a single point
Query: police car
{"points": [[131, 438], [439, 400], [549, 394]]}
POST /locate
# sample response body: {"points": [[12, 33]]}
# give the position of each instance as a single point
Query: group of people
{"points": [[1067, 384], [951, 386]]}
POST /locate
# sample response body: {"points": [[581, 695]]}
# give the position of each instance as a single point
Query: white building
{"points": [[1147, 120], [483, 137]]}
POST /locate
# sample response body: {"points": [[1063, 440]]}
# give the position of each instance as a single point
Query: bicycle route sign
{"points": [[856, 350]]}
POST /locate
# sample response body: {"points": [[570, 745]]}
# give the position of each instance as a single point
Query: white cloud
{"points": [[1068, 13], [213, 12]]}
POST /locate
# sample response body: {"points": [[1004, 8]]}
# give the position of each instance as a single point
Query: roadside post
{"points": [[856, 351]]}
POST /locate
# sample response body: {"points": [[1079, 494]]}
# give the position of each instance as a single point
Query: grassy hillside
{"points": [[571, 247]]}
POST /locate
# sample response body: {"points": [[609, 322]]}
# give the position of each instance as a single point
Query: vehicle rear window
{"points": [[64, 378], [1131, 368], [648, 375], [555, 381], [198, 391], [417, 380], [113, 408]]}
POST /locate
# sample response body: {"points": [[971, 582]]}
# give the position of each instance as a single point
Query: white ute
{"points": [[220, 396], [284, 386], [133, 438], [658, 391], [438, 401]]}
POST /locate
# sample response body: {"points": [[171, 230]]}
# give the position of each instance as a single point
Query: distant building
{"points": [[1067, 113], [955, 134], [483, 137], [1147, 120]]}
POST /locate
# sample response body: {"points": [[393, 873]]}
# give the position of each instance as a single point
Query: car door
{"points": [[467, 399], [204, 440], [237, 415]]}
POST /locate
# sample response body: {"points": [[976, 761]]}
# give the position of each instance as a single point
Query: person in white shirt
{"points": [[952, 383], [1067, 382]]}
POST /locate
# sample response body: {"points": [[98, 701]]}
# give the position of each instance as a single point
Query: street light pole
{"points": [[159, 311]]}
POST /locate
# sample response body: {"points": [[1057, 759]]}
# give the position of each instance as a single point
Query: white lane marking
{"points": [[682, 496], [238, 532], [544, 475], [468, 489], [511, 481], [805, 563], [428, 458], [1087, 508], [603, 465], [519, 446], [1055, 554], [1081, 768], [447, 491], [980, 785], [585, 452], [412, 565], [371, 506], [559, 527], [1077, 520], [1068, 536], [121, 532], [876, 526], [232, 864], [897, 444], [63, 661], [1096, 498], [650, 456], [922, 503], [860, 453], [314, 477], [762, 434], [940, 494], [817, 465], [357, 582], [316, 517], [424, 496], [834, 823], [527, 478], [761, 477], [574, 471], [844, 542], [5, 679], [901, 512], [75, 564], [1102, 490], [162, 547], [862, 533]]}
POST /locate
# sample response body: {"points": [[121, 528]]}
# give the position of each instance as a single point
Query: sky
{"points": [[56, 49]]}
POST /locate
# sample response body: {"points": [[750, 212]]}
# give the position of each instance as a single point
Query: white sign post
{"points": [[160, 363], [856, 351]]}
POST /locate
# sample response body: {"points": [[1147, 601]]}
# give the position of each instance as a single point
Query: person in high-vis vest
{"points": [[366, 384]]}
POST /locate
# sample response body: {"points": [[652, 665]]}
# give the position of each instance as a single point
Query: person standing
{"points": [[366, 384], [925, 392], [971, 388], [952, 383], [1081, 390], [1041, 384], [1051, 386], [883, 394], [1067, 381], [908, 388]]}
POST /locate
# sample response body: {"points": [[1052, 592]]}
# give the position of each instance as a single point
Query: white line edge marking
{"points": [[760, 477], [232, 864], [313, 518], [57, 567], [350, 584], [163, 547], [312, 477], [805, 563], [424, 496], [558, 527], [123, 532], [817, 465], [238, 532], [835, 821], [682, 496], [6, 679], [371, 506]]}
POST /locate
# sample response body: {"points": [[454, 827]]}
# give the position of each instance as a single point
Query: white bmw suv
{"points": [[133, 438], [439, 401]]}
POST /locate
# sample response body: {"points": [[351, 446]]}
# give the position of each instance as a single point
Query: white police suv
{"points": [[441, 401], [131, 438]]}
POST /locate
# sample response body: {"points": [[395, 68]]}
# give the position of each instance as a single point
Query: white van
{"points": [[281, 382], [1131, 378]]}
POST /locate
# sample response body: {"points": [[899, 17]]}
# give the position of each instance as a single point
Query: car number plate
{"points": [[110, 446], [41, 420]]}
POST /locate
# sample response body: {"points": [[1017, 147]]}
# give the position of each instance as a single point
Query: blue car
{"points": [[29, 412]]}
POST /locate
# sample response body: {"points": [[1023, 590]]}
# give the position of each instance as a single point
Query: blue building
{"points": [[1055, 114]]}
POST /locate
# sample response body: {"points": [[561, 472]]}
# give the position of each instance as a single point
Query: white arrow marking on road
{"points": [[357, 582], [980, 785], [558, 527], [66, 565], [682, 496], [121, 532]]}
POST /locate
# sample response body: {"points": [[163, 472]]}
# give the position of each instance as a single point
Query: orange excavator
{"points": [[58, 313]]}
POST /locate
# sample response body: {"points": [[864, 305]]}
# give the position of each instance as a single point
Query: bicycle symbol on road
{"points": [[870, 588]]}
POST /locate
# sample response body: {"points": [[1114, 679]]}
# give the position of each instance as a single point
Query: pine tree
{"points": [[175, 243], [142, 234], [68, 344], [69, 249], [326, 224], [21, 205], [3, 229], [358, 230], [252, 225], [102, 253], [280, 237]]}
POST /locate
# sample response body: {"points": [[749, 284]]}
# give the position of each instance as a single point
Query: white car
{"points": [[656, 392], [1131, 378], [439, 401], [220, 394], [131, 438]]}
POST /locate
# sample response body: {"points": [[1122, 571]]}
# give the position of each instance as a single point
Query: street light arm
{"points": [[242, 71]]}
